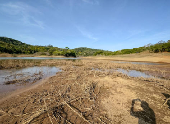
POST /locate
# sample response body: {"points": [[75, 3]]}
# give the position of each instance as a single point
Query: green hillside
{"points": [[161, 46], [9, 45], [12, 46], [84, 51]]}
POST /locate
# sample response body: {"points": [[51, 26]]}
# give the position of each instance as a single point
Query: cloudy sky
{"points": [[104, 24]]}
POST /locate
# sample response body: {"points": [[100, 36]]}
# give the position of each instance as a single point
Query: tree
{"points": [[67, 48], [161, 42]]}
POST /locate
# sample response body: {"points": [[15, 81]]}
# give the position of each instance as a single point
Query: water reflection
{"points": [[19, 78], [134, 73], [131, 73]]}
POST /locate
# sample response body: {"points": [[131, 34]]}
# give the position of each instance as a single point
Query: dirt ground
{"points": [[143, 57], [80, 94]]}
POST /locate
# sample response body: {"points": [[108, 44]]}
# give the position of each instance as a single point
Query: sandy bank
{"points": [[147, 57]]}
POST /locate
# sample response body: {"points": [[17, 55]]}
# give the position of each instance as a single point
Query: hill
{"points": [[161, 46], [84, 51], [12, 46]]}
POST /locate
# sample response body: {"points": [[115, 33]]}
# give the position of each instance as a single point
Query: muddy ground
{"points": [[80, 94]]}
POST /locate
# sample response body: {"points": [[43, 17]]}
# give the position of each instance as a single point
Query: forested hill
{"points": [[9, 45], [12, 46], [84, 51], [161, 46], [11, 41]]}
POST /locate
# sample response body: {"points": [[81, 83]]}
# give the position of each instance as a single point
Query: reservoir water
{"points": [[13, 79]]}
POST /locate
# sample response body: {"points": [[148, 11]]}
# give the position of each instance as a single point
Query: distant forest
{"points": [[9, 45]]}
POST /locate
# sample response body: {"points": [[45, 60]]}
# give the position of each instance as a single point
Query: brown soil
{"points": [[79, 95], [138, 57]]}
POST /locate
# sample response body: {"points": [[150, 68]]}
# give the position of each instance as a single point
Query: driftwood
{"points": [[46, 110], [166, 101]]}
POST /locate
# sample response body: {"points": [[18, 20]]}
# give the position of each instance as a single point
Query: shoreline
{"points": [[22, 55], [17, 92], [165, 60], [136, 57], [150, 60]]}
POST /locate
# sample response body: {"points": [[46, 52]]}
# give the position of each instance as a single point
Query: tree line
{"points": [[161, 46], [12, 46]]}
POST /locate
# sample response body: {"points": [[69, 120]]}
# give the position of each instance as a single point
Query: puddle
{"points": [[13, 79], [131, 73], [134, 73], [139, 63], [39, 58]]}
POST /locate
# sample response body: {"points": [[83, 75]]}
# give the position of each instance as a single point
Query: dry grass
{"points": [[19, 63], [7, 64], [80, 94], [28, 55], [72, 100]]}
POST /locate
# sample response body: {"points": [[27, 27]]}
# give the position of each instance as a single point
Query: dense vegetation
{"points": [[161, 46], [9, 45], [84, 51]]}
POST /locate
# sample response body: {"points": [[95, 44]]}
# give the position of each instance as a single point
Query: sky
{"points": [[101, 24]]}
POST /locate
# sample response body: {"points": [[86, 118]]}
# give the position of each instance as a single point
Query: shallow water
{"points": [[40, 58], [139, 63], [134, 73], [131, 73], [25, 77]]}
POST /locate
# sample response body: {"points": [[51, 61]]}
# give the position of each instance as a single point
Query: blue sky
{"points": [[103, 24]]}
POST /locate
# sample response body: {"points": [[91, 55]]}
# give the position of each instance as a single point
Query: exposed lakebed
{"points": [[139, 63], [13, 79]]}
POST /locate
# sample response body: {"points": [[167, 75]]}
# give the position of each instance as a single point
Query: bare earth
{"points": [[143, 57], [80, 94]]}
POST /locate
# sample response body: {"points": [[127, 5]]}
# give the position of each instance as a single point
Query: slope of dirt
{"points": [[138, 57]]}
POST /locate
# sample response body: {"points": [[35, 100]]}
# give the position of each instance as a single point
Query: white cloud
{"points": [[87, 34], [93, 2], [30, 20], [23, 13]]}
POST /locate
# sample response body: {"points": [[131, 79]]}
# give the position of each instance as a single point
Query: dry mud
{"points": [[82, 95]]}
